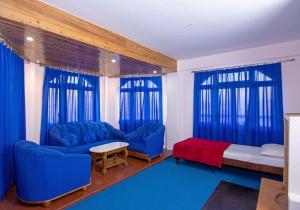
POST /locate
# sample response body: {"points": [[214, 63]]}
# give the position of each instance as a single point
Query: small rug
{"points": [[232, 196]]}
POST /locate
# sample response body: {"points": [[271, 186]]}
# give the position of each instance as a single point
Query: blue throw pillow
{"points": [[89, 137], [71, 139]]}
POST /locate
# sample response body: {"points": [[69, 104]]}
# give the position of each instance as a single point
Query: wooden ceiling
{"points": [[65, 41]]}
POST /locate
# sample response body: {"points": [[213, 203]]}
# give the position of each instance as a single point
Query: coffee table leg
{"points": [[104, 165], [93, 163], [125, 152]]}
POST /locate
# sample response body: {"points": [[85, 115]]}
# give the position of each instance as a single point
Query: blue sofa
{"points": [[147, 141], [78, 137], [43, 174]]}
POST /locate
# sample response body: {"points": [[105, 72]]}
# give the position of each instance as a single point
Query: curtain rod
{"points": [[137, 76], [205, 69]]}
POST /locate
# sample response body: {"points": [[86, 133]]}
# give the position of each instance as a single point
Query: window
{"points": [[239, 105], [70, 97], [140, 102]]}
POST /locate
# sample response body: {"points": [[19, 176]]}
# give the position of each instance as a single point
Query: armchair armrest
{"points": [[133, 137], [154, 143], [158, 137], [68, 172], [68, 162], [62, 149], [79, 164]]}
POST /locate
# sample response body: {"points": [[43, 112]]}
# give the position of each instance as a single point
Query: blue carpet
{"points": [[167, 186]]}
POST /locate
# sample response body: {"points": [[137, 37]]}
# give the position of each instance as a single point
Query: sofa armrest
{"points": [[117, 133]]}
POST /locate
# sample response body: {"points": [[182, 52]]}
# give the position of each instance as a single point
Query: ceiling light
{"points": [[29, 38], [37, 61], [154, 72], [113, 60]]}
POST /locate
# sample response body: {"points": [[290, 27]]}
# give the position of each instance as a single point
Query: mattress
{"points": [[252, 154]]}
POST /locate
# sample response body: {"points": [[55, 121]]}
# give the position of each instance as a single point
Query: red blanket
{"points": [[201, 150]]}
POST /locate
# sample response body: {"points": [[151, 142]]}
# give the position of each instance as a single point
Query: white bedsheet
{"points": [[252, 154]]}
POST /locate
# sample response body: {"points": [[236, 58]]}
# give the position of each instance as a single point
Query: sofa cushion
{"points": [[84, 149], [58, 141], [99, 131], [81, 128], [102, 134], [63, 130], [71, 139], [89, 137], [87, 125], [72, 128]]}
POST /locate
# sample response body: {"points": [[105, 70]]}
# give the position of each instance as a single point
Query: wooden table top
{"points": [[271, 196]]}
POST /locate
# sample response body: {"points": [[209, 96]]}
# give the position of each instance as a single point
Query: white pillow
{"points": [[275, 150]]}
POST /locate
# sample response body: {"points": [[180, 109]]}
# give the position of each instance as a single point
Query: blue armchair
{"points": [[43, 174], [147, 141]]}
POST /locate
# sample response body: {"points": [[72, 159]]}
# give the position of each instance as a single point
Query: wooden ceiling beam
{"points": [[43, 16]]}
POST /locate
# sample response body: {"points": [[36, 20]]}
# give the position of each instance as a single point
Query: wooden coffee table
{"points": [[111, 154]]}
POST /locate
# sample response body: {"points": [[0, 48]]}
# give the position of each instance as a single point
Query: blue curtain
{"points": [[242, 105], [68, 97], [140, 102], [12, 112]]}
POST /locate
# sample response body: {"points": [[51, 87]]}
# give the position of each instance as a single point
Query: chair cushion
{"points": [[89, 137], [71, 139], [138, 147]]}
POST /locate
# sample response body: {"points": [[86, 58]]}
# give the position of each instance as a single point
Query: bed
{"points": [[250, 157], [216, 154]]}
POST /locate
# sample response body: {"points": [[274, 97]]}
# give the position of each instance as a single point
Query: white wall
{"points": [[293, 161], [111, 101], [184, 81], [172, 110], [102, 97], [34, 78]]}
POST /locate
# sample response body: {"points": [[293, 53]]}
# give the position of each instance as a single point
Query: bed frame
{"points": [[253, 166], [250, 166]]}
